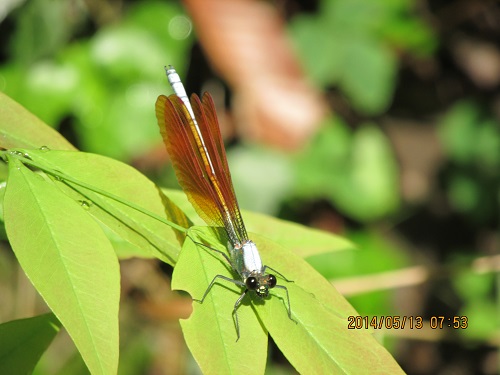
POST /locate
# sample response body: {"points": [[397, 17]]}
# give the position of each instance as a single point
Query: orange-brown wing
{"points": [[175, 130], [209, 126], [208, 108], [202, 172]]}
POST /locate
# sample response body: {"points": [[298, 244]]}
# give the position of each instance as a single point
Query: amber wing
{"points": [[200, 162]]}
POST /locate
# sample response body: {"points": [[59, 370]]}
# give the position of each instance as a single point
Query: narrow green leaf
{"points": [[19, 128], [302, 240], [23, 341], [69, 260], [147, 235], [210, 332]]}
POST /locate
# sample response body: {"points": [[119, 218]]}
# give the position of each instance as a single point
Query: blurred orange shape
{"points": [[246, 42]]}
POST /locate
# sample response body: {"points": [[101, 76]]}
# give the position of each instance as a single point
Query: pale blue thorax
{"points": [[246, 259]]}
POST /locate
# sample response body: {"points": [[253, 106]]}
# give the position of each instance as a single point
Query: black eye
{"points": [[271, 281], [251, 283]]}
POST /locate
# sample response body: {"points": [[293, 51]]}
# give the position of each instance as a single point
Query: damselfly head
{"points": [[261, 284]]}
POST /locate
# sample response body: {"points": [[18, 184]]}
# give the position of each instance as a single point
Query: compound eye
{"points": [[271, 281], [251, 283]]}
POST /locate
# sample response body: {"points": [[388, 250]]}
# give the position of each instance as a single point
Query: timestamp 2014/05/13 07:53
{"points": [[402, 322]]}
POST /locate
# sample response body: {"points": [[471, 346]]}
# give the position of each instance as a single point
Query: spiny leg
{"points": [[288, 300], [237, 282], [237, 303], [235, 313]]}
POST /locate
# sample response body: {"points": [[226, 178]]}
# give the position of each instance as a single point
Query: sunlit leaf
{"points": [[21, 129], [210, 331], [319, 341], [146, 234], [302, 240], [69, 260]]}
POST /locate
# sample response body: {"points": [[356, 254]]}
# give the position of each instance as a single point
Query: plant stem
{"points": [[62, 176]]}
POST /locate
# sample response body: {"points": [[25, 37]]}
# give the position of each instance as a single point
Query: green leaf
{"points": [[318, 343], [23, 341], [180, 199], [175, 214], [321, 343], [21, 129], [146, 236], [304, 241], [69, 260], [210, 331]]}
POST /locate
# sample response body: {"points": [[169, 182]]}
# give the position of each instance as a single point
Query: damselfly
{"points": [[193, 140]]}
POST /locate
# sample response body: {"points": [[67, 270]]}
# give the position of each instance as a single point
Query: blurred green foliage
{"points": [[105, 85], [355, 170], [354, 43], [477, 291], [471, 139], [375, 256]]}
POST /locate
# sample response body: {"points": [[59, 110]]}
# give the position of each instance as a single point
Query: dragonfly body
{"points": [[192, 137]]}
